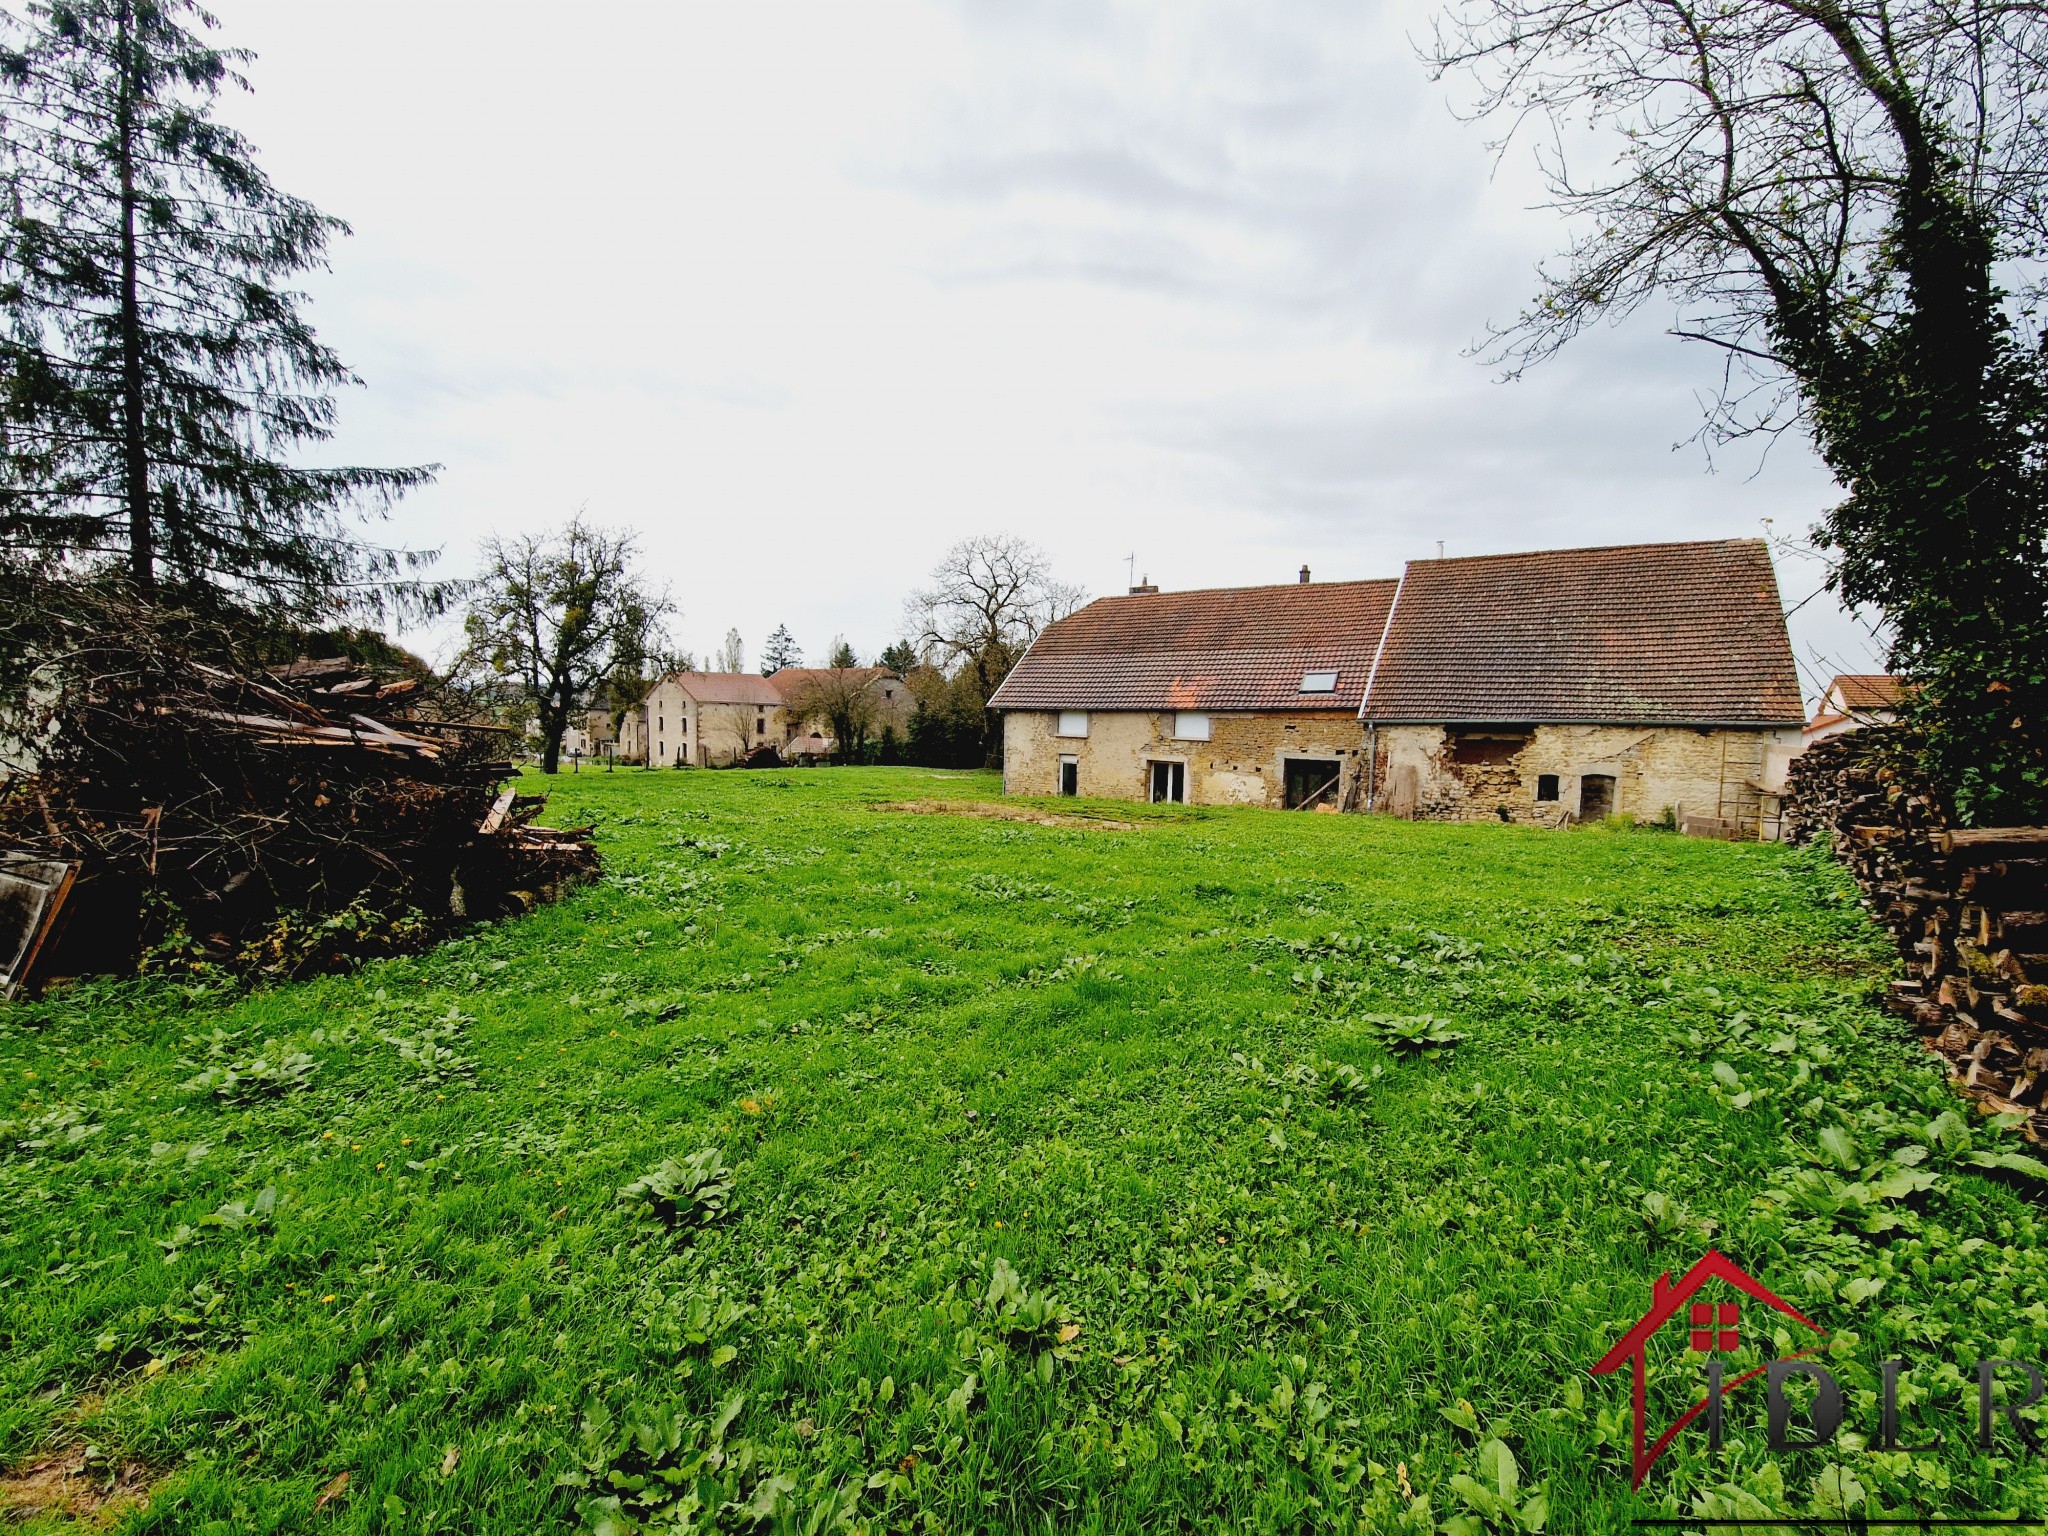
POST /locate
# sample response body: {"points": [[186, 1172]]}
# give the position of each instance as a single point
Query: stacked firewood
{"points": [[286, 821], [1967, 907]]}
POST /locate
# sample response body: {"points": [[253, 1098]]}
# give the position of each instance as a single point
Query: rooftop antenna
{"points": [[1131, 560]]}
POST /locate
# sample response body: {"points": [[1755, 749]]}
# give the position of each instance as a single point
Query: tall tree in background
{"points": [[781, 651], [732, 656], [566, 620], [988, 599], [846, 701], [1851, 201], [899, 657], [156, 376], [842, 654]]}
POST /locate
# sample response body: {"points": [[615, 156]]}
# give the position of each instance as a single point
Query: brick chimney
{"points": [[1304, 575], [1144, 588]]}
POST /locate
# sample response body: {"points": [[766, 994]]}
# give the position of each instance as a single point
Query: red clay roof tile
{"points": [[1228, 648], [1664, 633], [1639, 633], [1867, 690]]}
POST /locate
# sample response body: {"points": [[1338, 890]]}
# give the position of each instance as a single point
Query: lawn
{"points": [[839, 1167]]}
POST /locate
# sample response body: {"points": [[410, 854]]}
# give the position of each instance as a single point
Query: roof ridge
{"points": [[1590, 549], [1275, 586]]}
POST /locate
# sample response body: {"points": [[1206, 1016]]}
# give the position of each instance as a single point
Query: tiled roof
{"points": [[1227, 648], [727, 687], [1642, 633], [1865, 690], [787, 681]]}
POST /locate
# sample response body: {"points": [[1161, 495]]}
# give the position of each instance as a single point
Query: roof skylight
{"points": [[1318, 682]]}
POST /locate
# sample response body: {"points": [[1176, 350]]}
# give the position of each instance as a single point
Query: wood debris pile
{"points": [[1967, 907], [286, 821]]}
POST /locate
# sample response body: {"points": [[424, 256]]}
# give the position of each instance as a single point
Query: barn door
{"points": [[1311, 780], [1596, 796]]}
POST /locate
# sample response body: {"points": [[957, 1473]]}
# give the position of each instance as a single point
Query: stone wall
{"points": [[1428, 772], [1243, 762]]}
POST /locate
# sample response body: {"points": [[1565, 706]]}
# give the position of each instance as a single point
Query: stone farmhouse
{"points": [[1537, 688], [712, 719]]}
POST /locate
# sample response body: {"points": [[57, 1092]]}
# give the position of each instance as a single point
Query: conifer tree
{"points": [[780, 651], [157, 378]]}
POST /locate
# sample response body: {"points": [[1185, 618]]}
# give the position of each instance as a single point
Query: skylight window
{"points": [[1318, 682]]}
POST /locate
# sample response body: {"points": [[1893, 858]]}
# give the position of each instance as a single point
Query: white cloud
{"points": [[804, 292]]}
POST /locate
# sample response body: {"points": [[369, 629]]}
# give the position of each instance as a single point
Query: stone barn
{"points": [[1584, 683], [1545, 687]]}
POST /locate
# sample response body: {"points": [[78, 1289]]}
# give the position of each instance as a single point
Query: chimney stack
{"points": [[1304, 575], [1145, 587]]}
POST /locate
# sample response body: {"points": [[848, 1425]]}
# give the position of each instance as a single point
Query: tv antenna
{"points": [[1132, 561]]}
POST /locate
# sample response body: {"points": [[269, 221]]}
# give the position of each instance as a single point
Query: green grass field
{"points": [[1021, 1177]]}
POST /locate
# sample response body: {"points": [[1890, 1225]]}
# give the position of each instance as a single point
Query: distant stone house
{"points": [[708, 719], [1852, 701], [713, 719], [1534, 687]]}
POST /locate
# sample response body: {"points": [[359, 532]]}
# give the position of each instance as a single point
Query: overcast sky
{"points": [[802, 292]]}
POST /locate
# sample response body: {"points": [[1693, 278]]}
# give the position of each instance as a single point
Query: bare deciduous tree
{"points": [[562, 616], [990, 597], [1847, 198], [732, 656], [735, 725], [845, 700]]}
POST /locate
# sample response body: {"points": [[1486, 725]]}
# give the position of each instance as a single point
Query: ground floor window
{"points": [[1070, 775], [1310, 781], [1169, 783], [1546, 786]]}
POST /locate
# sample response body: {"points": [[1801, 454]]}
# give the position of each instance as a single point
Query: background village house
{"points": [[1852, 701], [1541, 687], [716, 719]]}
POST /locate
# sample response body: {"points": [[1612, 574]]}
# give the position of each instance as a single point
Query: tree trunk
{"points": [[554, 719], [135, 453]]}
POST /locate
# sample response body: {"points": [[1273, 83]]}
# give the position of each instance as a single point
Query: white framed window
{"points": [[1318, 682], [1168, 782], [1190, 727], [1073, 722]]}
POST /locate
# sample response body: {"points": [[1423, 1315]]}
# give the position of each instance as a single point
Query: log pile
{"points": [[283, 821], [1967, 908]]}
